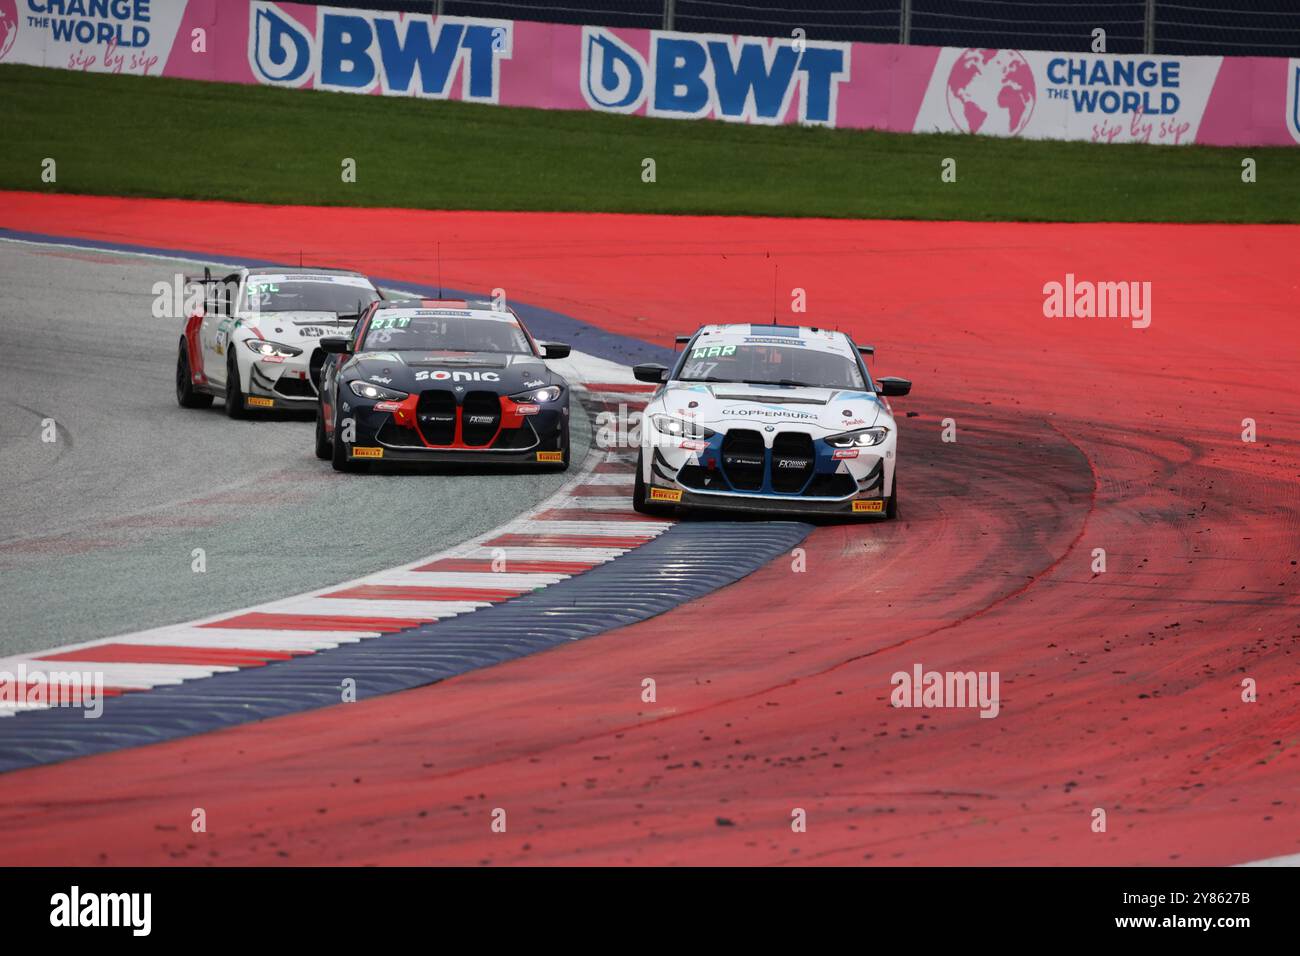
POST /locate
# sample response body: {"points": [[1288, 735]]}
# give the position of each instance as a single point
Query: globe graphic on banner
{"points": [[8, 26], [991, 91]]}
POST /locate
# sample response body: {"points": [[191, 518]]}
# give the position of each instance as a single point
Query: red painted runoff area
{"points": [[1080, 518]]}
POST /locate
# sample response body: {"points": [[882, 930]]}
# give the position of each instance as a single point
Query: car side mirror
{"points": [[554, 350], [893, 387], [650, 372], [336, 345]]}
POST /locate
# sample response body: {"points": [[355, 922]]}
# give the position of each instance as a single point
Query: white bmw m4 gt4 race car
{"points": [[771, 419], [255, 340]]}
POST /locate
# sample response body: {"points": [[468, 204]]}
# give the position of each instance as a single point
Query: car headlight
{"points": [[859, 439], [548, 394], [267, 348], [375, 392], [678, 428]]}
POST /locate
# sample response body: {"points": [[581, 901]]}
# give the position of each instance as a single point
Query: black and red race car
{"points": [[435, 380]]}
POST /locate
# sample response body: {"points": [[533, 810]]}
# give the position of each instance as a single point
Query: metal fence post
{"points": [[1149, 31], [670, 11], [905, 22]]}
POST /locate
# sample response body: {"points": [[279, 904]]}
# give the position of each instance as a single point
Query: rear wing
{"points": [[212, 287], [206, 279], [354, 317]]}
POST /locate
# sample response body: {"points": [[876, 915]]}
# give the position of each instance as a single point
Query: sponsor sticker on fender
{"points": [[872, 507], [362, 452], [550, 456], [256, 401], [665, 494]]}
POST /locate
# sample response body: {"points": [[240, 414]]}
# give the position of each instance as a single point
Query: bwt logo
{"points": [[691, 76], [359, 52]]}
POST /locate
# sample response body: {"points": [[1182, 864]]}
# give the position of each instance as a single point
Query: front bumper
{"points": [[788, 472], [361, 452], [283, 384], [857, 507], [393, 431]]}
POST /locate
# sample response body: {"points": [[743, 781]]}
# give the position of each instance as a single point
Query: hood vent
{"points": [[455, 363], [320, 319], [772, 399]]}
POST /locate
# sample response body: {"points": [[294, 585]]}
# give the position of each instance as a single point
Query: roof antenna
{"points": [[299, 258], [438, 246], [776, 273]]}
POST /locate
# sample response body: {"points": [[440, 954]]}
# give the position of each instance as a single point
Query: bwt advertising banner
{"points": [[1033, 94]]}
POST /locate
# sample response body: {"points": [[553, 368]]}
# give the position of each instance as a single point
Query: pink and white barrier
{"points": [[1034, 94]]}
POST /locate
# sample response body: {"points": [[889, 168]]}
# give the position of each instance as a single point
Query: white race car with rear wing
{"points": [[255, 341]]}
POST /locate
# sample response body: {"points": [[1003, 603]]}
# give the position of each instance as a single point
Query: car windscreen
{"points": [[297, 296], [442, 333], [771, 365]]}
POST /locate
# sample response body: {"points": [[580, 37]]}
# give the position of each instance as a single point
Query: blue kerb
{"points": [[686, 562]]}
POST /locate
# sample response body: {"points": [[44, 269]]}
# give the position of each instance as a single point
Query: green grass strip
{"points": [[147, 136]]}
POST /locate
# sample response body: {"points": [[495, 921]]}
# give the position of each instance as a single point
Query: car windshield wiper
{"points": [[788, 382]]}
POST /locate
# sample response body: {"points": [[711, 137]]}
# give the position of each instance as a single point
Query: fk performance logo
{"points": [[365, 51], [691, 76]]}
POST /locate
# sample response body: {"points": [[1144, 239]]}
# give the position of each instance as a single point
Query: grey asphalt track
{"points": [[98, 527]]}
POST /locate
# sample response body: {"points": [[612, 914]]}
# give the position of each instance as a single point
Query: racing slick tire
{"points": [[339, 452], [324, 447], [186, 395], [234, 394], [641, 504], [564, 444], [891, 506]]}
